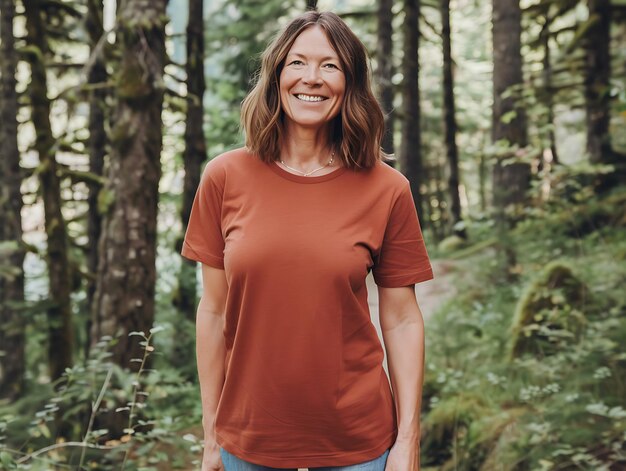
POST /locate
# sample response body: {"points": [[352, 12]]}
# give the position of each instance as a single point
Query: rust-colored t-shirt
{"points": [[305, 384]]}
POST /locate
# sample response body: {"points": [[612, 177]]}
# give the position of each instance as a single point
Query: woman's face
{"points": [[312, 81]]}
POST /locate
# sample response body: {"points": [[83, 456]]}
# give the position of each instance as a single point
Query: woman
{"points": [[287, 229]]}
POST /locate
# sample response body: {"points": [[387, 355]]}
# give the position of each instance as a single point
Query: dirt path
{"points": [[430, 294]]}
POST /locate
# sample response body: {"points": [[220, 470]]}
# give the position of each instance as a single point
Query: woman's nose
{"points": [[312, 75]]}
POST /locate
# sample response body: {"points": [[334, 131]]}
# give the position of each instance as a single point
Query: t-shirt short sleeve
{"points": [[403, 259], [204, 241]]}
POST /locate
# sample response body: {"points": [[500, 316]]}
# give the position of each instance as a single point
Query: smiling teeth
{"points": [[309, 98]]}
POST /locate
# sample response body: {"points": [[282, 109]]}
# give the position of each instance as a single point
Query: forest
{"points": [[508, 117]]}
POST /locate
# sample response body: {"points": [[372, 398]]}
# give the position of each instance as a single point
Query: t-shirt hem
{"points": [[308, 461], [396, 281], [208, 259]]}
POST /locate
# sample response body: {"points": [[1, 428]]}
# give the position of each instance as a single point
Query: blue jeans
{"points": [[233, 463]]}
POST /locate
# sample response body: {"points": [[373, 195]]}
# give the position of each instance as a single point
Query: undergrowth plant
{"points": [[562, 407], [60, 431]]}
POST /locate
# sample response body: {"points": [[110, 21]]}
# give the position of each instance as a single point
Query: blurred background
{"points": [[508, 118]]}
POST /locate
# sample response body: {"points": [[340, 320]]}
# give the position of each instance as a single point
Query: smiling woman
{"points": [[316, 59], [312, 86], [287, 229]]}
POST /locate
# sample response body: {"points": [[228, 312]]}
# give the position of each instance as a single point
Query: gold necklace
{"points": [[306, 174]]}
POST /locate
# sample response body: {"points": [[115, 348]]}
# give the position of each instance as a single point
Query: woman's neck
{"points": [[306, 149]]}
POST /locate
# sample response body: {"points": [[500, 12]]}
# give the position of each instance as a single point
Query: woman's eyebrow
{"points": [[297, 54]]}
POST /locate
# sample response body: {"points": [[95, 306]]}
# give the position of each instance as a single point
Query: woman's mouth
{"points": [[310, 98]]}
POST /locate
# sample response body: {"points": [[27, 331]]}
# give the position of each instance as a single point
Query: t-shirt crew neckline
{"points": [[301, 178]]}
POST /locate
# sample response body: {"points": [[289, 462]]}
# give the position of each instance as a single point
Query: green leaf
{"points": [[156, 329], [509, 116], [7, 461]]}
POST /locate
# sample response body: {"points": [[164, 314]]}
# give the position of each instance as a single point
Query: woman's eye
{"points": [[332, 66], [296, 62]]}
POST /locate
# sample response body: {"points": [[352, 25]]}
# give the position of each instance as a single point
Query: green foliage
{"points": [[565, 410], [447, 417], [54, 425], [451, 243], [549, 314], [238, 32]]}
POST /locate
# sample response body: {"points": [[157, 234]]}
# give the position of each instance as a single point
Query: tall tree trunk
{"points": [[61, 337], [598, 72], [385, 69], [482, 179], [510, 180], [193, 157], [97, 146], [311, 5], [410, 145], [596, 89], [125, 285], [436, 174], [195, 146], [11, 282], [507, 72], [549, 93], [450, 126]]}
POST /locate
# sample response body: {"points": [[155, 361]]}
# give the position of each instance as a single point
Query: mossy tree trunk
{"points": [[410, 145], [450, 126], [97, 144], [12, 363], [125, 284], [510, 180], [384, 72], [61, 337]]}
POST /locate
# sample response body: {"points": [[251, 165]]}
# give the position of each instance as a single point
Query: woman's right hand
{"points": [[211, 457]]}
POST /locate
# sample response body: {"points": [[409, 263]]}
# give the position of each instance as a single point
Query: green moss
{"points": [[451, 243], [124, 132], [549, 313], [133, 82], [106, 198], [448, 415]]}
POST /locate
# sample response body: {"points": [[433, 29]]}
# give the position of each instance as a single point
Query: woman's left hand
{"points": [[404, 456]]}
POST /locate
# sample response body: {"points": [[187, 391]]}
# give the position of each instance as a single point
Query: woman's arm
{"points": [[210, 347], [402, 327]]}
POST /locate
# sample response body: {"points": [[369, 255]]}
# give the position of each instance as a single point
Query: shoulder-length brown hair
{"points": [[357, 130]]}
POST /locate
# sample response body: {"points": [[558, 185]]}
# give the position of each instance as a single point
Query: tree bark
{"points": [[125, 284], [597, 96], [598, 72], [549, 93], [195, 146], [450, 126], [97, 146], [12, 364], [61, 337], [410, 146], [507, 72], [311, 5], [510, 180], [385, 70]]}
